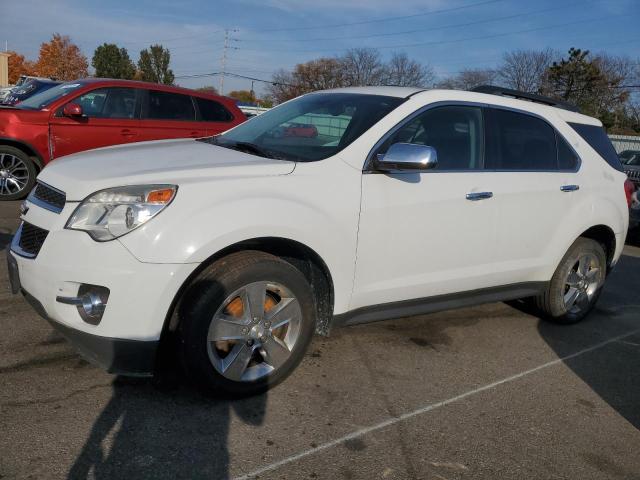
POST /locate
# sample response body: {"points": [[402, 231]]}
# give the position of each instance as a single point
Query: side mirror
{"points": [[72, 110], [407, 157]]}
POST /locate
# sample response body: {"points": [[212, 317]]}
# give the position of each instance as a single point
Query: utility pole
{"points": [[226, 47]]}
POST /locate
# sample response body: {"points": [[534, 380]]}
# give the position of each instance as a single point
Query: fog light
{"points": [[91, 302]]}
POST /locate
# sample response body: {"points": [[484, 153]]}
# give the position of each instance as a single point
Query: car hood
{"points": [[166, 161]]}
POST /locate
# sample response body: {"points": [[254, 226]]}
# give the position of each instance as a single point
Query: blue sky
{"points": [[449, 35]]}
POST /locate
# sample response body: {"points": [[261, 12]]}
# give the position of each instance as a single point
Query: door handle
{"points": [[125, 132], [195, 134], [569, 188], [475, 196]]}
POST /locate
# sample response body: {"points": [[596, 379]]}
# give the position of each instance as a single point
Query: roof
{"points": [[400, 92]]}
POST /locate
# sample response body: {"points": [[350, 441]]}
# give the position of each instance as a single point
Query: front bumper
{"points": [[126, 338], [115, 355]]}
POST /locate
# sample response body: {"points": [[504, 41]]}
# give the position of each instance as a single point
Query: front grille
{"points": [[48, 197], [31, 239]]}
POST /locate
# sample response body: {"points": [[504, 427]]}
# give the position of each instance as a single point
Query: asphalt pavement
{"points": [[478, 393]]}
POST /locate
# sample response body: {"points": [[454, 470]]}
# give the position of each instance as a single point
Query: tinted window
{"points": [[327, 123], [212, 111], [455, 132], [170, 106], [567, 158], [108, 103], [516, 141], [597, 138]]}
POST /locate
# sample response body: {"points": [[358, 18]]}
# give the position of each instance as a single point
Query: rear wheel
{"points": [[17, 173], [575, 286], [246, 323]]}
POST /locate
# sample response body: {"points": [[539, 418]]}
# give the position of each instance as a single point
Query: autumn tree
{"points": [[405, 72], [468, 79], [525, 70], [208, 89], [245, 96], [61, 59], [19, 65], [154, 65], [113, 62], [319, 74]]}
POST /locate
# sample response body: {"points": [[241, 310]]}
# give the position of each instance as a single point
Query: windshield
{"points": [[43, 99], [309, 128]]}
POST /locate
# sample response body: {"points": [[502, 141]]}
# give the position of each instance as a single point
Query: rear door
{"points": [[170, 115], [536, 185], [110, 117]]}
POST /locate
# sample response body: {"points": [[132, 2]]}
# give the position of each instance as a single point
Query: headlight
{"points": [[109, 214]]}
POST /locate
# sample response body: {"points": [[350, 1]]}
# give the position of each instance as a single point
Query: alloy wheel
{"points": [[14, 175], [254, 331], [582, 283]]}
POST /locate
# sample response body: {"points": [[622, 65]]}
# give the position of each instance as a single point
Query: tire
{"points": [[221, 329], [581, 274], [17, 174]]}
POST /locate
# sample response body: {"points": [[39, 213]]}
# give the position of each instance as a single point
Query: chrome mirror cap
{"points": [[407, 157]]}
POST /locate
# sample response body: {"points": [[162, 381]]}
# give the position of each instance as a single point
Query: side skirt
{"points": [[421, 306]]}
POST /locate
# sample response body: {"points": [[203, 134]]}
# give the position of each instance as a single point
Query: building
{"points": [[4, 69]]}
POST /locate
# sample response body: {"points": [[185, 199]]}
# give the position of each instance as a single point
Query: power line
{"points": [[424, 29], [381, 20], [444, 42]]}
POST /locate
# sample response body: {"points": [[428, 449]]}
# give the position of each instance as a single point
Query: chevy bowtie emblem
{"points": [[24, 208]]}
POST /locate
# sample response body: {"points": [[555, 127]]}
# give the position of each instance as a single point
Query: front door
{"points": [[433, 232], [109, 118]]}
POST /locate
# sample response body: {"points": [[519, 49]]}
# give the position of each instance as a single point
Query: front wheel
{"points": [[17, 173], [245, 323], [576, 284]]}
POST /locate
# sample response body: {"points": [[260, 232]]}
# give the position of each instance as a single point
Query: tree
{"points": [[61, 59], [525, 70], [468, 79], [154, 65], [404, 72], [19, 65], [113, 62], [318, 74], [362, 66], [208, 89], [594, 84], [245, 96]]}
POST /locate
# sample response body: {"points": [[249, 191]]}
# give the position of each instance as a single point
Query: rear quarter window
{"points": [[597, 138], [212, 111]]}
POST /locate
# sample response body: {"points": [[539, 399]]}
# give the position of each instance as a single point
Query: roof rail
{"points": [[532, 97]]}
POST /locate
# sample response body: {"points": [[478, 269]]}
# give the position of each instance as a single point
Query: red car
{"points": [[301, 130], [93, 113]]}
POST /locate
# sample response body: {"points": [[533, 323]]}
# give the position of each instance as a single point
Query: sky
{"points": [[267, 35]]}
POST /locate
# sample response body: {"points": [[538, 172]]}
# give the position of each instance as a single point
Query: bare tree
{"points": [[468, 79], [319, 74], [362, 66], [405, 72], [525, 70]]}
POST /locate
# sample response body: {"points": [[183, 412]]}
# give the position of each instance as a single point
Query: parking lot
{"points": [[485, 392]]}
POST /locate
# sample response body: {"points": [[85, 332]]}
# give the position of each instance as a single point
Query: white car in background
{"points": [[234, 249]]}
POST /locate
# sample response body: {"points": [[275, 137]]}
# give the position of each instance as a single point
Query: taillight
{"points": [[629, 188]]}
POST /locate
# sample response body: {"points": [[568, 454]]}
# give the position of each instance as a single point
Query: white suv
{"points": [[338, 207]]}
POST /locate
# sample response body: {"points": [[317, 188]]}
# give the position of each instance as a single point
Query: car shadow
{"points": [[147, 432], [613, 371], [5, 239]]}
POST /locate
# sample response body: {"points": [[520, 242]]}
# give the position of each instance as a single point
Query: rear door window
{"points": [[212, 111], [169, 106], [521, 142], [599, 141]]}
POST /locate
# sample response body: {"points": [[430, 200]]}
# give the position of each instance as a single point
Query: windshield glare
{"points": [[43, 99], [312, 127]]}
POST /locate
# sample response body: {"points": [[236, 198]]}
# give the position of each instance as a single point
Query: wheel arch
{"points": [[304, 258], [606, 237], [26, 148]]}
